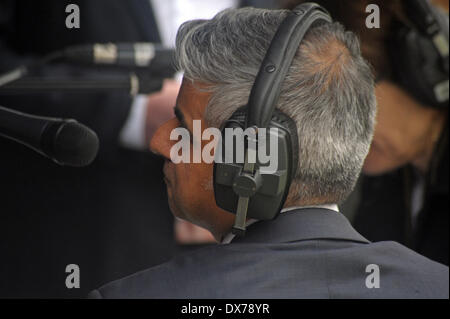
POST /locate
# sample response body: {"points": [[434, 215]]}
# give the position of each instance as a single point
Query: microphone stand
{"points": [[132, 83]]}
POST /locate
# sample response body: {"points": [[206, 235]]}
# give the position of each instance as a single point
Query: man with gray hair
{"points": [[310, 250]]}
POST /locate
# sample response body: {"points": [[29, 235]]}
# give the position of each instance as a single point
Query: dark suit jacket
{"points": [[110, 218], [307, 253]]}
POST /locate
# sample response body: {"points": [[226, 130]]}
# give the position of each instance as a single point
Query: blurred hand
{"points": [[188, 233], [160, 107]]}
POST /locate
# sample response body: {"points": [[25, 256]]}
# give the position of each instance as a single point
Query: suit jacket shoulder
{"points": [[318, 255]]}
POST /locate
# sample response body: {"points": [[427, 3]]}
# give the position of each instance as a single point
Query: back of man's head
{"points": [[328, 92]]}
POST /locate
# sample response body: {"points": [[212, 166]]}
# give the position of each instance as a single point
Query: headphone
{"points": [[420, 53], [245, 188]]}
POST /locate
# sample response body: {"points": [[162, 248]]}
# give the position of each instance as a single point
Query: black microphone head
{"points": [[70, 143]]}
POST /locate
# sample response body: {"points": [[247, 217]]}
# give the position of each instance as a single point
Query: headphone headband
{"points": [[267, 86], [246, 189]]}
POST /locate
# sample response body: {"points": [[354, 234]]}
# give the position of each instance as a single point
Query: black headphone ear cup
{"points": [[279, 120], [415, 65], [268, 200]]}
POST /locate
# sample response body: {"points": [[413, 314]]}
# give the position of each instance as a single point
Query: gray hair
{"points": [[328, 92]]}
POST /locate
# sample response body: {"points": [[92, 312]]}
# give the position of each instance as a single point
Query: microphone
{"points": [[139, 54], [65, 141]]}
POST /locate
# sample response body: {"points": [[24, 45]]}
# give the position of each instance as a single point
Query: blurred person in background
{"points": [[110, 218], [404, 191]]}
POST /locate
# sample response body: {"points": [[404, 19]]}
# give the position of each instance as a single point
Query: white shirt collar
{"points": [[326, 206], [230, 236]]}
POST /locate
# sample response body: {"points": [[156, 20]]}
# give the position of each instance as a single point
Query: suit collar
{"points": [[302, 224]]}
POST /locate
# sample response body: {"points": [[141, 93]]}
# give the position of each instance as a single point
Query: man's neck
{"points": [[228, 237]]}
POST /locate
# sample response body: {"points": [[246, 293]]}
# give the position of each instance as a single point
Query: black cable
{"points": [[23, 70]]}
